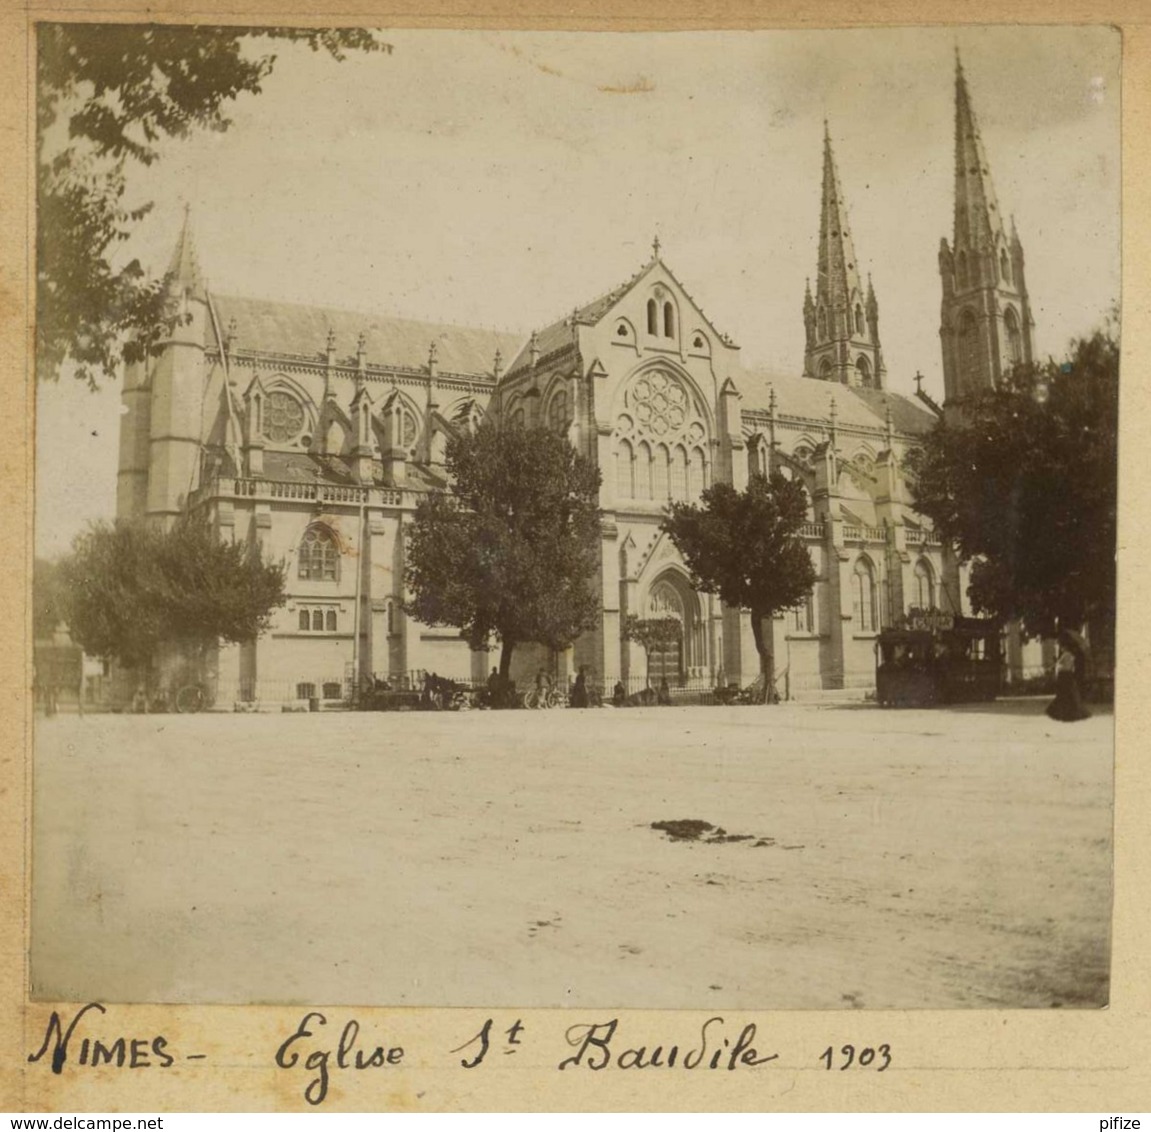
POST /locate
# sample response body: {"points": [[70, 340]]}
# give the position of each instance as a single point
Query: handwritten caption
{"points": [[320, 1047]]}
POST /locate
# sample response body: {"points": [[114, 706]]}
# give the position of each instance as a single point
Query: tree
{"points": [[107, 95], [511, 548], [651, 633], [745, 546], [1022, 480], [132, 588], [49, 601]]}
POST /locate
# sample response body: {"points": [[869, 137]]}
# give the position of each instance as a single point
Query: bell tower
{"points": [[986, 328], [177, 387], [842, 321]]}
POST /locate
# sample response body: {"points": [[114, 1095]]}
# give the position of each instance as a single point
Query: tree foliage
{"points": [[108, 94], [132, 587], [511, 548], [745, 546], [1022, 480], [651, 632], [49, 599]]}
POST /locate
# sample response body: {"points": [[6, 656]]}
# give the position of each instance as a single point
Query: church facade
{"points": [[316, 432]]}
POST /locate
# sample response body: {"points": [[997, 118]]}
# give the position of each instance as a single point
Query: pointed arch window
{"points": [[558, 411], [643, 471], [696, 474], [661, 479], [863, 596], [863, 371], [668, 320], [1014, 339], [305, 621], [652, 317], [317, 620], [859, 324], [825, 369], [679, 473], [924, 585], [961, 269], [624, 471], [968, 348], [803, 616], [822, 320], [1004, 266], [319, 555]]}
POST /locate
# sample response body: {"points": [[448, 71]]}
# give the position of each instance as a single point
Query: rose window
{"points": [[283, 418], [659, 403]]}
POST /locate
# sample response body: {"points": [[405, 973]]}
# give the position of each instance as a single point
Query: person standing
{"points": [[1067, 707], [579, 691]]}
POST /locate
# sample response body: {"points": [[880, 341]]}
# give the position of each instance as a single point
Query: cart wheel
{"points": [[190, 698]]}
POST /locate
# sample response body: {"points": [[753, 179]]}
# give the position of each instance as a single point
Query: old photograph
{"points": [[570, 519]]}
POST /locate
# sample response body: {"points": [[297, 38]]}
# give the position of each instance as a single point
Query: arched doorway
{"points": [[671, 596]]}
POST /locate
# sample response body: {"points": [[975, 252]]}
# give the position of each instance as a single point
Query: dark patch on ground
{"points": [[695, 829]]}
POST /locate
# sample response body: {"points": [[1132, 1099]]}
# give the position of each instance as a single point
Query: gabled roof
{"points": [[292, 328], [810, 398], [552, 339]]}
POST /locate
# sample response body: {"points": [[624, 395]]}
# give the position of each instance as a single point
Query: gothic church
{"points": [[317, 431]]}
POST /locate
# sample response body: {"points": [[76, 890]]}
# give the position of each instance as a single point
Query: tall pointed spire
{"points": [[986, 326], [838, 277], [977, 219], [184, 268], [842, 342]]}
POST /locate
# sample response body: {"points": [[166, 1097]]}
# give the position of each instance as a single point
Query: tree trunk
{"points": [[766, 660], [506, 648]]}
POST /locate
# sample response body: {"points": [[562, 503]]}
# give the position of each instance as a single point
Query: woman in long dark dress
{"points": [[1067, 707]]}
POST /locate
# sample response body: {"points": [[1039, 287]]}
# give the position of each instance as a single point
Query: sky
{"points": [[500, 179]]}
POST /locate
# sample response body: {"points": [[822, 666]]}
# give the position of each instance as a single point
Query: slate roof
{"points": [[301, 467], [811, 398], [292, 328]]}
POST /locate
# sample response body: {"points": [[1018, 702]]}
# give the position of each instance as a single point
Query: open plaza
{"points": [[798, 856]]}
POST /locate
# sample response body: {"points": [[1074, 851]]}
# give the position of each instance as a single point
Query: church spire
{"points": [[842, 342], [986, 326], [978, 223], [184, 268]]}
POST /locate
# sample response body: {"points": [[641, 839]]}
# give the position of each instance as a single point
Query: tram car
{"points": [[937, 658]]}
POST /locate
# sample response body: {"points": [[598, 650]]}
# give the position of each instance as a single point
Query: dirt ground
{"points": [[856, 858]]}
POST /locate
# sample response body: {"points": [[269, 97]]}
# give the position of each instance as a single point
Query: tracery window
{"points": [[658, 430], [558, 411], [319, 555], [283, 417]]}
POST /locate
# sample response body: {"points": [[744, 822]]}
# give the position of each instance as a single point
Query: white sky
{"points": [[499, 179]]}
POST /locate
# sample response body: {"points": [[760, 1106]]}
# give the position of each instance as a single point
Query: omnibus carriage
{"points": [[936, 658]]}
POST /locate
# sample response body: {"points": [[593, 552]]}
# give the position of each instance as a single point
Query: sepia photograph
{"points": [[575, 519]]}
